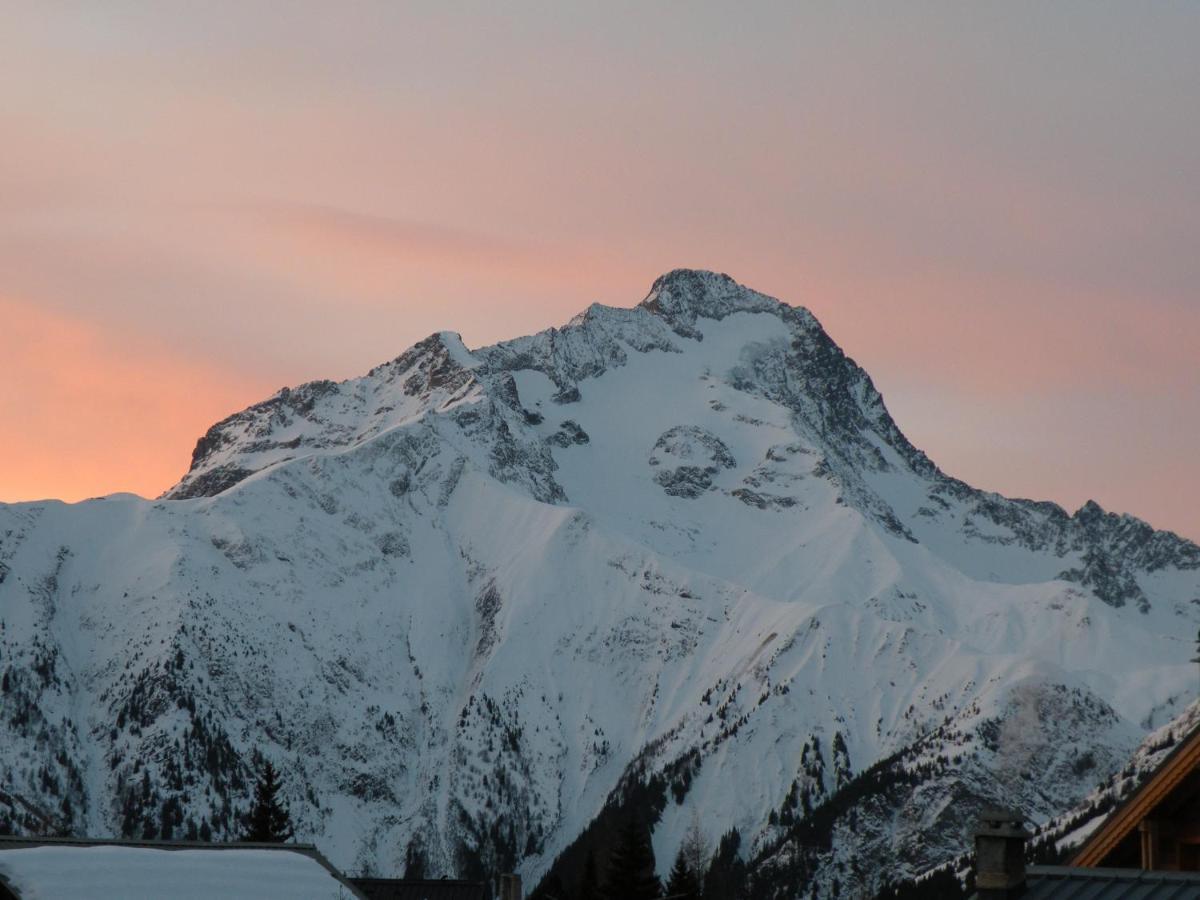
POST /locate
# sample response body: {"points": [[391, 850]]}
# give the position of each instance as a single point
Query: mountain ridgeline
{"points": [[675, 560]]}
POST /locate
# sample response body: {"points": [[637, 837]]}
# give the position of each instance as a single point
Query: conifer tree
{"points": [[414, 861], [726, 877], [631, 874], [683, 883], [695, 847], [551, 888], [589, 887], [268, 821]]}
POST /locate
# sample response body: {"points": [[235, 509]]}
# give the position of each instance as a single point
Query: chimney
{"points": [[510, 887], [1000, 855]]}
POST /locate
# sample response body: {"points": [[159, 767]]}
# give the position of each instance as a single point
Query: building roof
{"points": [[82, 869], [412, 889], [1121, 822], [1072, 883]]}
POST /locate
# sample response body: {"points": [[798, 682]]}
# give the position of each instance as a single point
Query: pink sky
{"points": [[994, 210]]}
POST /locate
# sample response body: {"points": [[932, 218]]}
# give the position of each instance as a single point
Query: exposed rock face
{"points": [[467, 599], [688, 458], [568, 433]]}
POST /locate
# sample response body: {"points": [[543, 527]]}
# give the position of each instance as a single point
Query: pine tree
{"points": [[550, 889], [695, 848], [631, 873], [414, 861], [589, 888], [268, 821], [683, 883], [726, 877]]}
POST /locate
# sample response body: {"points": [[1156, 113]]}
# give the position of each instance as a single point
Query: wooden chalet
{"points": [[1157, 828], [1147, 848]]}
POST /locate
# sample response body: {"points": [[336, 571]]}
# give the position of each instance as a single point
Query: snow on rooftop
{"points": [[142, 873]]}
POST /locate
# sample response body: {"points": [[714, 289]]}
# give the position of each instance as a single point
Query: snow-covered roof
{"points": [[1109, 884], [112, 870]]}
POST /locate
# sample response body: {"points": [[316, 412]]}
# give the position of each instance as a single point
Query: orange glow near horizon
{"points": [[95, 415]]}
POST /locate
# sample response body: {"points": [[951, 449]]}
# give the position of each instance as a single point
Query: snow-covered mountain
{"points": [[465, 601]]}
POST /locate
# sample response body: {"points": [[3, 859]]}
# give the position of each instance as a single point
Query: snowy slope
{"points": [[457, 599]]}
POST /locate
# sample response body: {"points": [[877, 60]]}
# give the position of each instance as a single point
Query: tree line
{"points": [[629, 871]]}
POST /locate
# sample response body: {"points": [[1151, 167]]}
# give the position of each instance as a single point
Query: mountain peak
{"points": [[692, 281], [683, 295], [799, 367], [455, 348]]}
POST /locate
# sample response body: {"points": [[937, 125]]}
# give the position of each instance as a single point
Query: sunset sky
{"points": [[994, 209]]}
